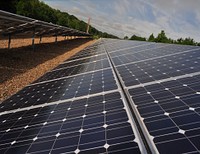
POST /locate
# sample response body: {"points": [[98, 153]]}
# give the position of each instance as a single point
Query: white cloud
{"points": [[121, 6], [179, 18]]}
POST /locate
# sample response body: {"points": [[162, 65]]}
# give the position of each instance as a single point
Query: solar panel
{"points": [[97, 125], [23, 27], [162, 82], [72, 82], [75, 108], [115, 96]]}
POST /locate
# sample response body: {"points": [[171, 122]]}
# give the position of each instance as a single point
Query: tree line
{"points": [[41, 11], [162, 38]]}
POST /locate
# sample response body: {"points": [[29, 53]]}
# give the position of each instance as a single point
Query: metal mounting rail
{"points": [[149, 146]]}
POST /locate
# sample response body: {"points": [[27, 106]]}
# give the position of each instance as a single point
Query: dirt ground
{"points": [[15, 43], [20, 65]]}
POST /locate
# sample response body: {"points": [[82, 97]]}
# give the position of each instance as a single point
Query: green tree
{"points": [[171, 41], [162, 37], [189, 41], [24, 8], [135, 37], [62, 19], [41, 11], [125, 37], [151, 38], [179, 41], [186, 41]]}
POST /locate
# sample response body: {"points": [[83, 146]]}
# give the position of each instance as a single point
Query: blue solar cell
{"points": [[176, 146], [160, 81], [64, 127], [78, 109]]}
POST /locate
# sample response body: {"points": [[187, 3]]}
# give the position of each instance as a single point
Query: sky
{"points": [[178, 18]]}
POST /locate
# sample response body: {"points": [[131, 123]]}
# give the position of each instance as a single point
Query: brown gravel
{"points": [[15, 43], [21, 66]]}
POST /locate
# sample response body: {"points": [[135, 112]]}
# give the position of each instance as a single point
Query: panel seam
{"points": [[143, 138]]}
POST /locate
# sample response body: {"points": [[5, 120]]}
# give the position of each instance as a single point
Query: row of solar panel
{"points": [[82, 124], [24, 27], [162, 82], [74, 108], [64, 84], [169, 107]]}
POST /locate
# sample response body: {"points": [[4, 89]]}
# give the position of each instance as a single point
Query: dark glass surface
{"points": [[170, 108], [65, 127], [99, 124], [91, 83]]}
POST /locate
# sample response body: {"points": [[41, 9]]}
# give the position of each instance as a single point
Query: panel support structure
{"points": [[149, 149], [40, 39], [9, 41], [56, 39], [33, 40]]}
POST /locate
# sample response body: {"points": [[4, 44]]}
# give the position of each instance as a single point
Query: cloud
{"points": [[179, 18], [121, 6]]}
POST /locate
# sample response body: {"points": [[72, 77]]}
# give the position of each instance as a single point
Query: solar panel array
{"points": [[163, 82], [23, 27], [75, 108], [115, 96]]}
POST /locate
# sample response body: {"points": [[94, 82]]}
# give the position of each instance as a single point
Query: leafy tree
{"points": [[62, 19], [189, 41], [125, 37], [162, 37], [41, 11], [24, 8], [171, 41], [151, 38], [135, 37], [179, 41], [37, 10], [186, 41]]}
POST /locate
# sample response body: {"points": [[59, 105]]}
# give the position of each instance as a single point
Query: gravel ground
{"points": [[15, 43], [21, 66]]}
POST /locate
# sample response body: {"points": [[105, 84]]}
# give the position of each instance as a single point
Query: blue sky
{"points": [[179, 18]]}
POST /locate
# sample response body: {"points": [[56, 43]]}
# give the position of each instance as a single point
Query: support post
{"points": [[88, 26], [33, 40], [9, 41], [56, 39], [40, 39]]}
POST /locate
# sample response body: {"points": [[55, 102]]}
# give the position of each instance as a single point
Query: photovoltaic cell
{"points": [[74, 108], [95, 125], [83, 105], [81, 61], [74, 70], [163, 92], [161, 68], [72, 87]]}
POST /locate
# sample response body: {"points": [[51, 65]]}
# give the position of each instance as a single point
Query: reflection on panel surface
{"points": [[79, 107], [163, 82], [95, 125], [75, 108]]}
